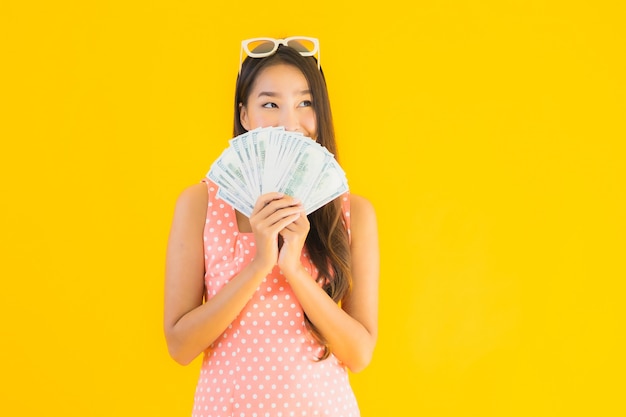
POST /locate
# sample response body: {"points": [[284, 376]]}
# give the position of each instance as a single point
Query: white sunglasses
{"points": [[263, 47]]}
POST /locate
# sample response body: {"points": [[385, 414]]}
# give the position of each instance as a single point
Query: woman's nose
{"points": [[290, 120]]}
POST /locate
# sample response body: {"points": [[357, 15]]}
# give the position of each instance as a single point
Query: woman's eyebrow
{"points": [[268, 94], [275, 94]]}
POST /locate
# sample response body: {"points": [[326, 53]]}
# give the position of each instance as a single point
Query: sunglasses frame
{"points": [[277, 43]]}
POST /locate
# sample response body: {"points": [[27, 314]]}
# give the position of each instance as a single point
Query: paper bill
{"points": [[273, 159]]}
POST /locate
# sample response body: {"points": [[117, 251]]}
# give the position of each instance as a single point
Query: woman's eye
{"points": [[270, 105], [306, 103]]}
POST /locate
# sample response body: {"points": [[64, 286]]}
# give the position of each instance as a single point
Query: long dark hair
{"points": [[327, 242]]}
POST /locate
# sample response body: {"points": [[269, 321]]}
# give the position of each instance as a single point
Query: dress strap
{"points": [[345, 209]]}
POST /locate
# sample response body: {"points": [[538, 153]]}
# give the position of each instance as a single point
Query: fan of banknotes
{"points": [[273, 159]]}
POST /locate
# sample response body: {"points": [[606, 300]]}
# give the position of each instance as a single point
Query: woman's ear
{"points": [[243, 116]]}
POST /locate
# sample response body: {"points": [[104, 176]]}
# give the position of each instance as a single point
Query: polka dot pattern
{"points": [[263, 365]]}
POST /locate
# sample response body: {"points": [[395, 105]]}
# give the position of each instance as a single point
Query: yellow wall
{"points": [[489, 134]]}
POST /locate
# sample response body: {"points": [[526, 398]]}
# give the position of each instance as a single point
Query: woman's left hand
{"points": [[294, 235]]}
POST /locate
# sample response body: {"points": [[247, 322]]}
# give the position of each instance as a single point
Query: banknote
{"points": [[273, 159]]}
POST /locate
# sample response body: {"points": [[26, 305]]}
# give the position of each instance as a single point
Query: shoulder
{"points": [[193, 195], [192, 202], [361, 205], [362, 212]]}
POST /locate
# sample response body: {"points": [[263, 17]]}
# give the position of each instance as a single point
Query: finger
{"points": [[285, 221], [285, 201], [277, 209], [301, 222], [288, 211], [266, 199], [275, 220]]}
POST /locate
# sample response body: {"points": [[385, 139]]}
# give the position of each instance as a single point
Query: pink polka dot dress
{"points": [[263, 365]]}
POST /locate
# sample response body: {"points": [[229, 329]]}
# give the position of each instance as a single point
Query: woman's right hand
{"points": [[271, 214]]}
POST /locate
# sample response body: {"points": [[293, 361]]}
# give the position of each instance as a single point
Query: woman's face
{"points": [[280, 96]]}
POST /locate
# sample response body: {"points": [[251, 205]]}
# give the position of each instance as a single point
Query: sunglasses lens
{"points": [[261, 46], [303, 45]]}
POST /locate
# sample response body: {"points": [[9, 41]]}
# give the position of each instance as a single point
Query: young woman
{"points": [[281, 304]]}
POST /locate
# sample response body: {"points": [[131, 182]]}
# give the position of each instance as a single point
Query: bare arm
{"points": [[351, 329], [190, 325]]}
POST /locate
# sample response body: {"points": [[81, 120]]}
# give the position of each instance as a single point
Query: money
{"points": [[272, 159]]}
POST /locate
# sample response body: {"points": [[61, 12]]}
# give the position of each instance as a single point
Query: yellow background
{"points": [[489, 134]]}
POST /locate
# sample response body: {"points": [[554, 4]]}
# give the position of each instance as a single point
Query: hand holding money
{"points": [[273, 159]]}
